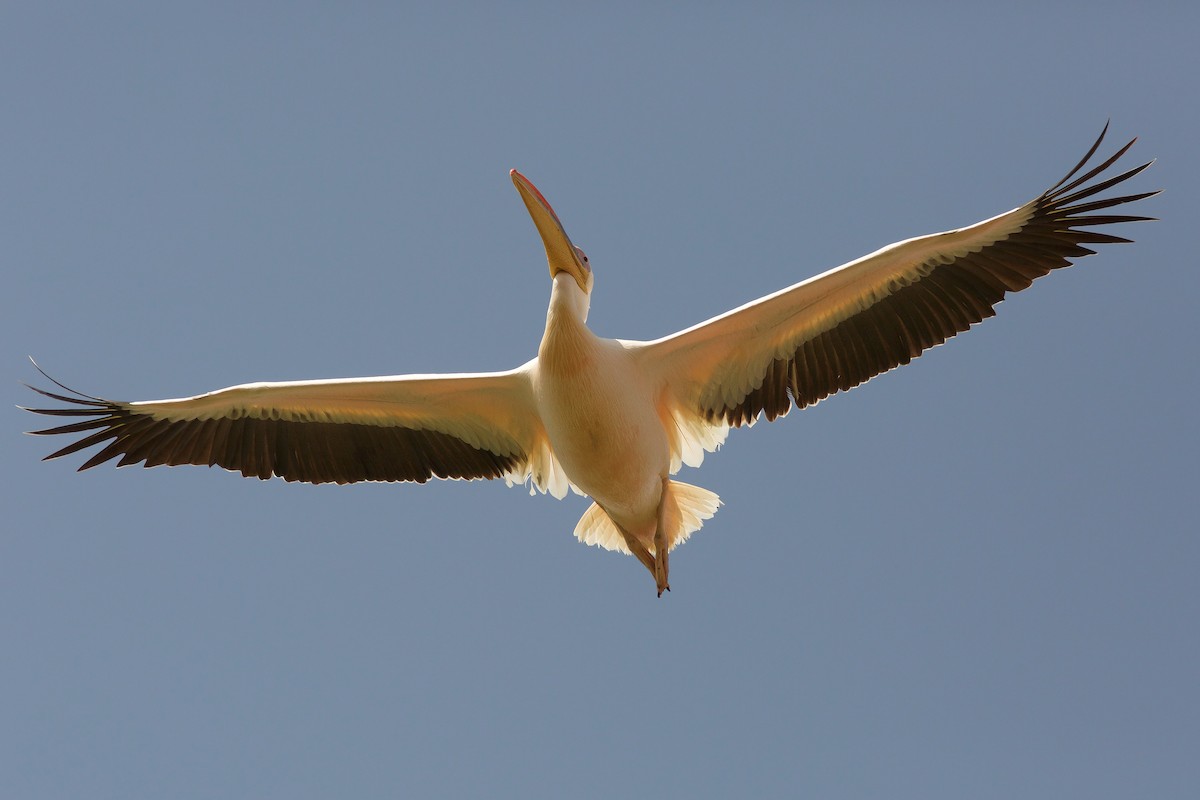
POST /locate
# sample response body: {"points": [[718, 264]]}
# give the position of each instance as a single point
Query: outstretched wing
{"points": [[405, 428], [839, 329]]}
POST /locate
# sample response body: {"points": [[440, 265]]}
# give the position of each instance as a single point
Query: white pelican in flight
{"points": [[609, 418]]}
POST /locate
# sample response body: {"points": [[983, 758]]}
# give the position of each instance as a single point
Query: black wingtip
{"points": [[1087, 157], [60, 385]]}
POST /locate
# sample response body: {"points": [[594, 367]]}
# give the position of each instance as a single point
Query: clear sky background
{"points": [[974, 577]]}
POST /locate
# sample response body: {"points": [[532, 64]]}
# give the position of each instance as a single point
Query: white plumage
{"points": [[613, 419]]}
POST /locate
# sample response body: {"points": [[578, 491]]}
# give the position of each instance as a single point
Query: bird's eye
{"points": [[583, 259]]}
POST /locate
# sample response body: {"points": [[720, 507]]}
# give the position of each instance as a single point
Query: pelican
{"points": [[613, 419]]}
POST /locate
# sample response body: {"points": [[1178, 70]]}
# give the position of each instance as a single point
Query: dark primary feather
{"points": [[313, 452], [946, 301]]}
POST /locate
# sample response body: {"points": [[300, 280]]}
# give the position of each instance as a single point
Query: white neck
{"points": [[566, 328], [567, 297]]}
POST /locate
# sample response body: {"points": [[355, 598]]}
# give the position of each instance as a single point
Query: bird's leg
{"points": [[637, 548], [661, 544], [656, 563]]}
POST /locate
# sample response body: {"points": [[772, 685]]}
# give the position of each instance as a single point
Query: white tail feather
{"points": [[693, 505], [687, 508], [595, 528]]}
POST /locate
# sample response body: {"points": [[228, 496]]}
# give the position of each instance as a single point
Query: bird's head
{"points": [[561, 254]]}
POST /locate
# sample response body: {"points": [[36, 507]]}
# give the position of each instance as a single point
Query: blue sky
{"points": [[972, 577]]}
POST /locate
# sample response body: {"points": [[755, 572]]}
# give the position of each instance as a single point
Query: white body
{"points": [[600, 412]]}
